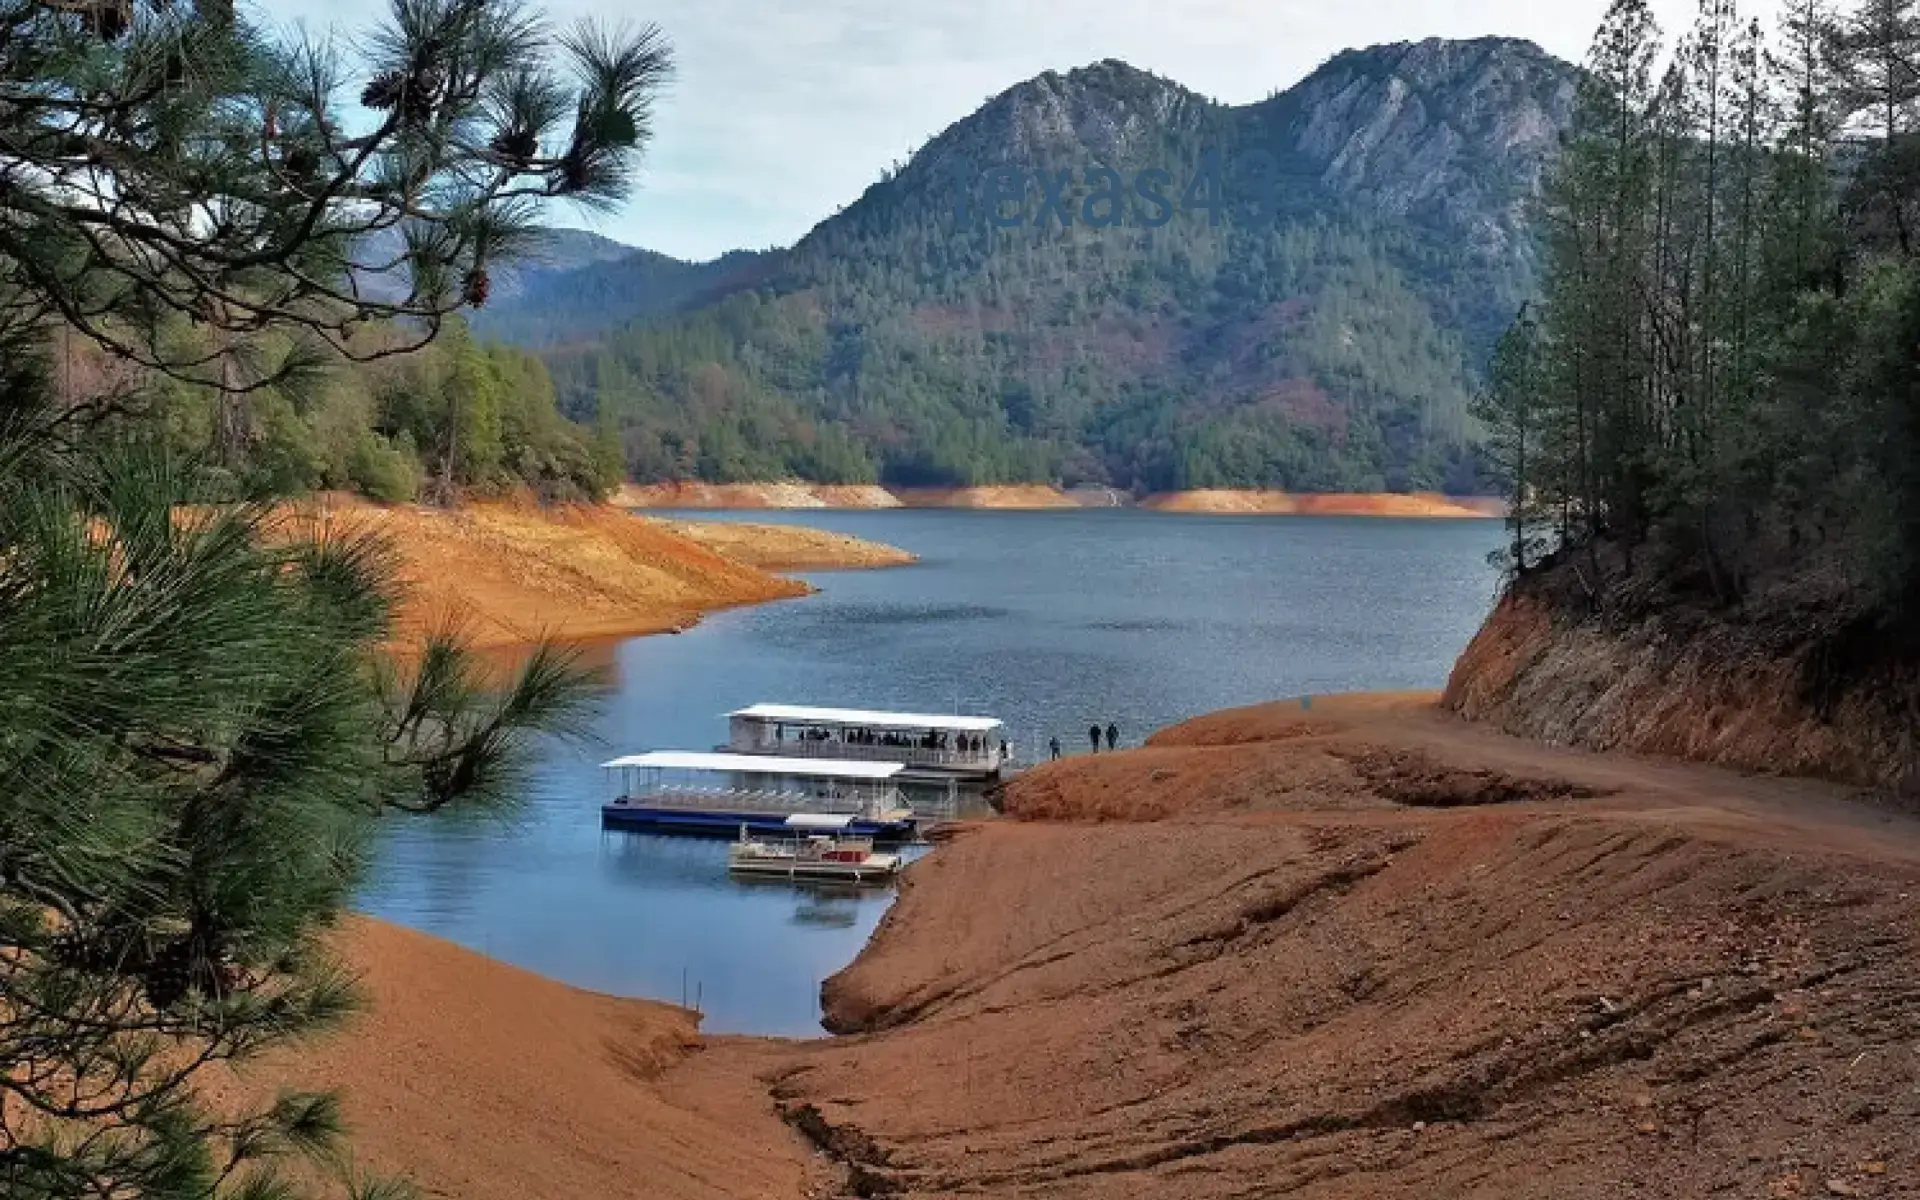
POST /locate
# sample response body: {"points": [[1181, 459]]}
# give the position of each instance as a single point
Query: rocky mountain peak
{"points": [[1107, 111], [1454, 130]]}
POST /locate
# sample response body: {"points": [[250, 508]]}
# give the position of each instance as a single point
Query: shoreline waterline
{"points": [[797, 496]]}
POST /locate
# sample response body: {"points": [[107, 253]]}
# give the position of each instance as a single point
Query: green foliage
{"points": [[1721, 383], [562, 299], [201, 737], [455, 418], [382, 470], [174, 165], [1509, 407], [1308, 343]]}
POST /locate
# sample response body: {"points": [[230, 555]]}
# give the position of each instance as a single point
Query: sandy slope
{"points": [[515, 573], [480, 1081], [1362, 950], [788, 547], [1369, 504], [1011, 496], [752, 495]]}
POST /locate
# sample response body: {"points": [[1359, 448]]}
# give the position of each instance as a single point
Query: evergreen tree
{"points": [[201, 733], [1770, 284], [1509, 407], [180, 183], [1876, 52]]}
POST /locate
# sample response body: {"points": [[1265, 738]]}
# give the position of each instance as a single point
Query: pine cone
{"points": [[518, 145], [384, 91], [80, 950], [418, 98], [475, 288], [168, 974]]}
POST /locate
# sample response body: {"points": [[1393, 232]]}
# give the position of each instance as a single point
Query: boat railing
{"points": [[756, 799], [864, 752], [813, 844]]}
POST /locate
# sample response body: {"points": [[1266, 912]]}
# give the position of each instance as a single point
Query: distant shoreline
{"points": [[795, 496]]}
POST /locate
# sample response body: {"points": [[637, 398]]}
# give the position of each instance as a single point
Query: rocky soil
{"points": [[513, 573], [1359, 504], [752, 495], [789, 547], [1769, 696], [1366, 950]]}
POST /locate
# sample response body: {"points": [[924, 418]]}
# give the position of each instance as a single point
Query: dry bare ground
{"points": [[1356, 950], [473, 1079], [515, 572], [1356, 504], [1365, 950], [788, 547], [753, 495]]}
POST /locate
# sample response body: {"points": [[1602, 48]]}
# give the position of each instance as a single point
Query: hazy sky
{"points": [[784, 110]]}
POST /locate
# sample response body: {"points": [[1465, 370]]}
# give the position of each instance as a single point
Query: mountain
{"points": [[575, 289], [1296, 293], [381, 270], [566, 250]]}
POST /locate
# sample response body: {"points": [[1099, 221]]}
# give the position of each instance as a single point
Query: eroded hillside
{"points": [[1368, 952]]}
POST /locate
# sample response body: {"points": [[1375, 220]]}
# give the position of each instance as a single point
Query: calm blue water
{"points": [[1052, 621]]}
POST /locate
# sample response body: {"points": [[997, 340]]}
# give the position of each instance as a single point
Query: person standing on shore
{"points": [[1113, 736], [1093, 735], [1053, 747]]}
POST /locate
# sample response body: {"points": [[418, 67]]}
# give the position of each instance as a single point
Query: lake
{"points": [[1052, 621]]}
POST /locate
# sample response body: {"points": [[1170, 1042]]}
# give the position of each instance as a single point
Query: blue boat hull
{"points": [[693, 823]]}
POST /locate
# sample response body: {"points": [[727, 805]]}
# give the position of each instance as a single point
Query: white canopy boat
{"points": [[930, 746], [678, 791]]}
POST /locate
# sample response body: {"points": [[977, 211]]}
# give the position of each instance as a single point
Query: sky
{"points": [[781, 111]]}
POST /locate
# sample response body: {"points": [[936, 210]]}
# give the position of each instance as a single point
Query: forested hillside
{"points": [[1307, 302], [1721, 367], [557, 298], [1712, 415], [456, 417]]}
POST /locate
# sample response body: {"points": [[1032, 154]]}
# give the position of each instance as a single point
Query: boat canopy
{"points": [[820, 821], [758, 764], [798, 715]]}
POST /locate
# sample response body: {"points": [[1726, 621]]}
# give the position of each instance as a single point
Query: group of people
{"points": [[1094, 736], [965, 743]]}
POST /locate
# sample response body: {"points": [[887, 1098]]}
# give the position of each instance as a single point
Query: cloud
{"points": [[785, 110]]}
